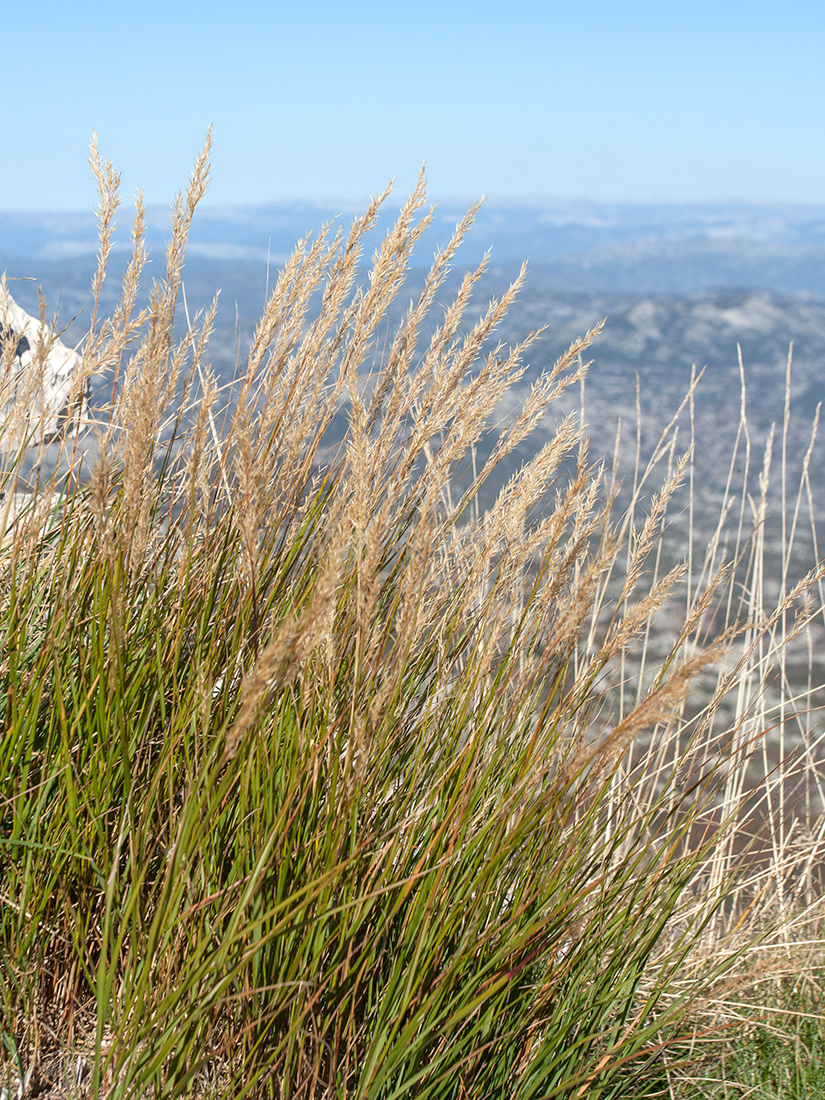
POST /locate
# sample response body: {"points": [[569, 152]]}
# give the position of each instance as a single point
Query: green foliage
{"points": [[773, 1047]]}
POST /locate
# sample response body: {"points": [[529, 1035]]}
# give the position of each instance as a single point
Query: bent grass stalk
{"points": [[318, 784]]}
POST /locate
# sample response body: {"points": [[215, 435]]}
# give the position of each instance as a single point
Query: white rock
{"points": [[51, 401]]}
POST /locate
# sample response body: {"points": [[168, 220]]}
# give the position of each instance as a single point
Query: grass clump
{"points": [[318, 781]]}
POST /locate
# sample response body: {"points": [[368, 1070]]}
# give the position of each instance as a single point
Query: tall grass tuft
{"points": [[321, 780]]}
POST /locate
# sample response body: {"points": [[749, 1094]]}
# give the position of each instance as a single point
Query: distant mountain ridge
{"points": [[680, 286], [672, 248]]}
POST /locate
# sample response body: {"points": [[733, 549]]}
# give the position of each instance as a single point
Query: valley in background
{"points": [[683, 289]]}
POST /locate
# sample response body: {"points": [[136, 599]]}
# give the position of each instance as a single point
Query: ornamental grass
{"points": [[323, 778]]}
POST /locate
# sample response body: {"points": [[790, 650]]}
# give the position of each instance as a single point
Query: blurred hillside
{"points": [[681, 287]]}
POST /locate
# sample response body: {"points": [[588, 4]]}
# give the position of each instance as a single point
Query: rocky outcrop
{"points": [[42, 388]]}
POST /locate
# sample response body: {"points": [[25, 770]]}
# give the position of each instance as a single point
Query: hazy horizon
{"points": [[349, 204]]}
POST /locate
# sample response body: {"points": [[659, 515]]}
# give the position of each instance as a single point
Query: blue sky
{"points": [[316, 99]]}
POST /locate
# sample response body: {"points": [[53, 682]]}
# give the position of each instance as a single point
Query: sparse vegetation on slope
{"points": [[318, 781]]}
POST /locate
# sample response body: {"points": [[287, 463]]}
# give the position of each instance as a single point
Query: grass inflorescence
{"points": [[320, 779]]}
